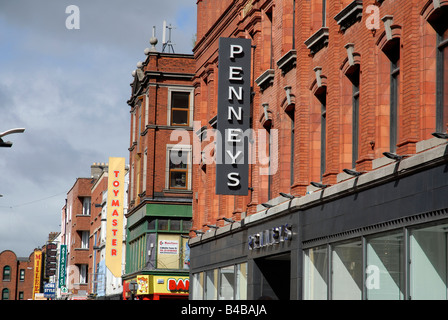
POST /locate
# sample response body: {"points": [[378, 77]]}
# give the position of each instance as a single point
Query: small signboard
{"points": [[50, 290]]}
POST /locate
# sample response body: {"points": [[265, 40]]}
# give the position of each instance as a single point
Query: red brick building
{"points": [[75, 233], [17, 276], [160, 176], [336, 85]]}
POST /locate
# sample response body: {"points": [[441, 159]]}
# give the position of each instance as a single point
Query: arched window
{"points": [[5, 294], [6, 273]]}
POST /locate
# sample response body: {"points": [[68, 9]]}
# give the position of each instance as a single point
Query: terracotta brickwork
{"points": [[351, 52], [151, 125]]}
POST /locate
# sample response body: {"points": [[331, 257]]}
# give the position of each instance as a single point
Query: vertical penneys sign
{"points": [[233, 120], [114, 229]]}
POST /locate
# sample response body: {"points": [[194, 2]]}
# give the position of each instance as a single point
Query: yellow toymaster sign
{"points": [[115, 198], [153, 284]]}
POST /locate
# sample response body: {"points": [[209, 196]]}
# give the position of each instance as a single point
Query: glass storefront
{"points": [[408, 263], [316, 273], [385, 268], [428, 254], [227, 283], [346, 263]]}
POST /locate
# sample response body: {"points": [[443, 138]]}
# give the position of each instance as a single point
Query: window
{"points": [[347, 271], [211, 284], [241, 282], [442, 81], [86, 206], [83, 273], [6, 273], [354, 78], [316, 274], [22, 275], [180, 107], [5, 294], [394, 73], [198, 286], [385, 270], [291, 163], [21, 295], [428, 267], [163, 224], [84, 239], [323, 134], [227, 283], [179, 167]]}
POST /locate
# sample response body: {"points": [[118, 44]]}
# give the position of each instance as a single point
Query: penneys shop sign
{"points": [[234, 94]]}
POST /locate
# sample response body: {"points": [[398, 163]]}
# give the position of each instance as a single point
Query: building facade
{"points": [[351, 203], [75, 233], [84, 273], [160, 181], [17, 276], [102, 283]]}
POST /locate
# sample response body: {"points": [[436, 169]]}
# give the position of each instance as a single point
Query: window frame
{"points": [[170, 108], [183, 148]]}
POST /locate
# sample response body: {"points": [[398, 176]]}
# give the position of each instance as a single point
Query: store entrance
{"points": [[272, 277]]}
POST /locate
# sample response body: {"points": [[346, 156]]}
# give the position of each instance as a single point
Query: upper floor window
{"points": [[86, 206], [435, 13], [5, 294], [180, 104], [6, 273], [179, 167], [22, 274], [84, 239]]}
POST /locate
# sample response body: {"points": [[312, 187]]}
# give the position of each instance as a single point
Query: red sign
{"points": [[178, 284]]}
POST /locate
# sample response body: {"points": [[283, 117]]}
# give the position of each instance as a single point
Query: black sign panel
{"points": [[233, 120]]}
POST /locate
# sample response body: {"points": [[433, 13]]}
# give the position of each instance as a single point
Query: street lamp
{"points": [[8, 144]]}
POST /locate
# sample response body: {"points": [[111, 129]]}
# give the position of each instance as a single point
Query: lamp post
{"points": [[8, 144]]}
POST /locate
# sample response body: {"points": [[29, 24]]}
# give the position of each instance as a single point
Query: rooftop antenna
{"points": [[168, 43]]}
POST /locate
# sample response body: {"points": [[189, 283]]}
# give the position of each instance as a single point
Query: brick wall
{"points": [[269, 23]]}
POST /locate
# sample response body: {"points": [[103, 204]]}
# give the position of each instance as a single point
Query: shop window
{"points": [[385, 269], [186, 225], [162, 225], [227, 283], [211, 285], [428, 263], [198, 286], [152, 224], [241, 282], [346, 266], [316, 274], [174, 225]]}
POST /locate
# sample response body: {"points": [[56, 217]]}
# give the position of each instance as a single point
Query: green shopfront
{"points": [[156, 244], [381, 235]]}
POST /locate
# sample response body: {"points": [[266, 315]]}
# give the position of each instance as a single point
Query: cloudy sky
{"points": [[68, 88]]}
